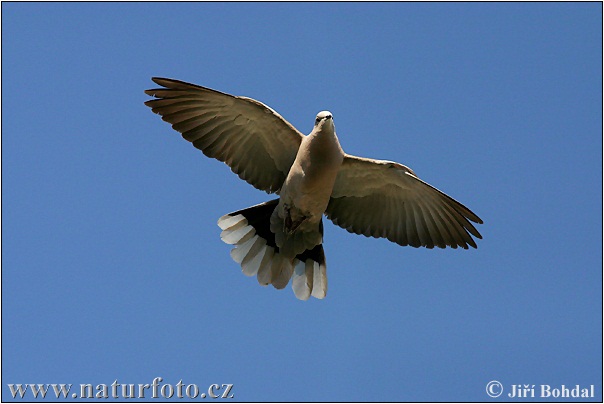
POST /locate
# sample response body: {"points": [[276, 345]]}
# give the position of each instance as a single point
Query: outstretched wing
{"points": [[251, 138], [386, 199]]}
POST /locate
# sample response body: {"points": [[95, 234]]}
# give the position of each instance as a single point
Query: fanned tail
{"points": [[257, 252]]}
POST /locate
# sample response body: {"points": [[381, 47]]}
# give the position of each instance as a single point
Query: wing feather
{"points": [[412, 233]]}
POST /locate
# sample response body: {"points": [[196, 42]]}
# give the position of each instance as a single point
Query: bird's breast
{"points": [[312, 176]]}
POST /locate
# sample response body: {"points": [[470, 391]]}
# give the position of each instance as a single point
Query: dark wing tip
{"points": [[166, 82], [174, 84]]}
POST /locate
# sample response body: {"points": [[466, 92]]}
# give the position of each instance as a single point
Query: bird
{"points": [[282, 239]]}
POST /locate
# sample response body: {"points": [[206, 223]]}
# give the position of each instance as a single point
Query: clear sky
{"points": [[112, 264]]}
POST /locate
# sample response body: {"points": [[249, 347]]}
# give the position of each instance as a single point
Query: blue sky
{"points": [[112, 265]]}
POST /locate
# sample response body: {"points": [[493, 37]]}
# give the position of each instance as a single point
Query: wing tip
{"points": [[166, 82]]}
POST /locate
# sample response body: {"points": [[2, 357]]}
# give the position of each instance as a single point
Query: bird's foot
{"points": [[290, 225]]}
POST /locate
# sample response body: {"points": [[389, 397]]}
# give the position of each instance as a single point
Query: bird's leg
{"points": [[290, 224]]}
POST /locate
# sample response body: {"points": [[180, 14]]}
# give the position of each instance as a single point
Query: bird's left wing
{"points": [[385, 199], [251, 138]]}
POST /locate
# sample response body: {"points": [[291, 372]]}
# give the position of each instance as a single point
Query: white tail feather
{"points": [[241, 250], [319, 289], [301, 282], [238, 236], [282, 272], [252, 262], [227, 221], [264, 271]]}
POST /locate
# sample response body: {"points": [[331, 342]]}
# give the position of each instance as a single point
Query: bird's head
{"points": [[324, 118]]}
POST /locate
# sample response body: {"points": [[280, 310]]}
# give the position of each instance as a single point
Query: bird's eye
{"points": [[317, 120]]}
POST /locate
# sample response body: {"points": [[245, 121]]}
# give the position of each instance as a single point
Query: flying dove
{"points": [[282, 239]]}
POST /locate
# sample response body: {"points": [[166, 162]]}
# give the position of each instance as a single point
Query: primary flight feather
{"points": [[282, 239]]}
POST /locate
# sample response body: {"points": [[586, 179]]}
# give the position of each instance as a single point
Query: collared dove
{"points": [[282, 239]]}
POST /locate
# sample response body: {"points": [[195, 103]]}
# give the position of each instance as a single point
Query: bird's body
{"points": [[282, 239], [307, 188]]}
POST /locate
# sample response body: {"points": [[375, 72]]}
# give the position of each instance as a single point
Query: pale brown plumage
{"points": [[282, 239]]}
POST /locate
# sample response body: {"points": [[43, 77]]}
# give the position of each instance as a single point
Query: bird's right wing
{"points": [[251, 138], [386, 199]]}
